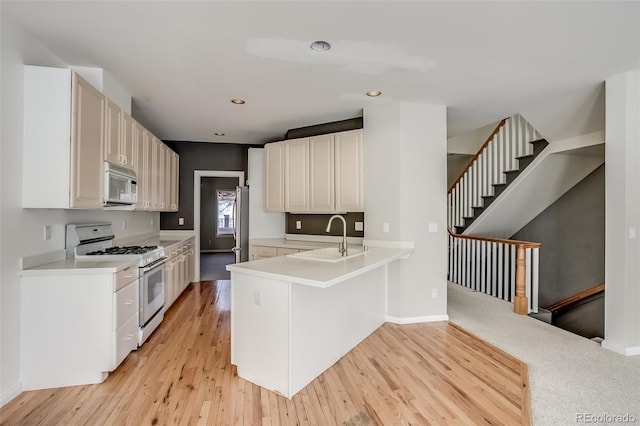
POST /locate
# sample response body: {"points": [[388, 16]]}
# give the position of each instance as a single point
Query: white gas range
{"points": [[94, 242]]}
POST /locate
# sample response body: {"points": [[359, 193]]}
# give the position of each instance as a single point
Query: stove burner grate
{"points": [[123, 250]]}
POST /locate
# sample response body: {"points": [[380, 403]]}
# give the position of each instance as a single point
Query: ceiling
{"points": [[182, 61]]}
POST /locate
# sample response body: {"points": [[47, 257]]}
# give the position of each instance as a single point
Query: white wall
{"points": [[471, 142], [21, 230], [405, 174], [622, 223]]}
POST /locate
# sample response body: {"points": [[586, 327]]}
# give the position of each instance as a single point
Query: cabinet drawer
{"points": [[281, 251], [126, 340], [126, 304], [262, 251], [126, 276]]}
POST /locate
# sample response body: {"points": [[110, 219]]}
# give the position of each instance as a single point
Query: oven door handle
{"points": [[154, 265]]}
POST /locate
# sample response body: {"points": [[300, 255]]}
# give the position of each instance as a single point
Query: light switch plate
{"points": [[433, 227]]}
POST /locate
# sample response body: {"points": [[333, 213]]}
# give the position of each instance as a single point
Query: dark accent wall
{"points": [[200, 156], [208, 238], [323, 129], [315, 224], [571, 231]]}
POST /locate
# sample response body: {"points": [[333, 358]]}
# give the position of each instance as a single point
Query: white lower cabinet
{"points": [[179, 269], [77, 325]]}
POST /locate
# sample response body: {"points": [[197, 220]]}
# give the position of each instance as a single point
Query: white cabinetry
{"points": [[76, 325], [296, 175], [70, 129], [121, 136], [179, 269], [63, 140], [274, 177], [321, 174], [349, 171]]}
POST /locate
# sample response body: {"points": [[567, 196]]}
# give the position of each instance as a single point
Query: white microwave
{"points": [[120, 186]]}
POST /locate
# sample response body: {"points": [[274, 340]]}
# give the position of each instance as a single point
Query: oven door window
{"points": [[152, 293]]}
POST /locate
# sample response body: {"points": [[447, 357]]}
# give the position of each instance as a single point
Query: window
{"points": [[225, 212]]}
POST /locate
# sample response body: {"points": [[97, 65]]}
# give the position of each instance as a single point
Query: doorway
{"points": [[200, 195]]}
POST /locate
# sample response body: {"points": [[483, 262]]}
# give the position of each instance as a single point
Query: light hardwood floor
{"points": [[432, 373]]}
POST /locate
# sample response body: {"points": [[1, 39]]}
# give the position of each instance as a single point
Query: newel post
{"points": [[520, 302]]}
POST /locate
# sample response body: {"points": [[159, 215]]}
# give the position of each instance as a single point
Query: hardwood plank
{"points": [[433, 373]]}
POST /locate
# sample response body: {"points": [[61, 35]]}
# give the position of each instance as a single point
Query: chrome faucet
{"points": [[342, 247]]}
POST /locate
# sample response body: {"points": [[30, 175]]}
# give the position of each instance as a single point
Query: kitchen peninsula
{"points": [[292, 318]]}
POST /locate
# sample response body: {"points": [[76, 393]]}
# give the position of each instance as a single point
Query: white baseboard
{"points": [[415, 320], [10, 394], [623, 350]]}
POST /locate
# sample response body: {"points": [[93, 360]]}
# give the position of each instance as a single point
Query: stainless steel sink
{"points": [[329, 254]]}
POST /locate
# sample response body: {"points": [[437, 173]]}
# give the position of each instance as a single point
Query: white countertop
{"points": [[55, 263], [315, 273], [71, 266], [299, 244]]}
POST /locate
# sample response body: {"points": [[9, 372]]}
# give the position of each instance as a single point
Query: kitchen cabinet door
{"points": [[113, 133], [296, 177], [129, 144], [175, 180], [274, 177], [349, 171], [87, 139], [321, 174], [143, 158]]}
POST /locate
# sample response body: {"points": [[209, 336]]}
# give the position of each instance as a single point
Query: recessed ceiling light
{"points": [[320, 46], [374, 93], [237, 101], [218, 134]]}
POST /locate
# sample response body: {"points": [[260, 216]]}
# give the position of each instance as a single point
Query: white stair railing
{"points": [[507, 269], [499, 154]]}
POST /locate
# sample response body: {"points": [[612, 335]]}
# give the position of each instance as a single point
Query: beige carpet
{"points": [[573, 380]]}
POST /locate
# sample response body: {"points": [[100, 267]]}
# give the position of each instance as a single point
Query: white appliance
{"points": [[120, 186], [93, 242], [241, 224]]}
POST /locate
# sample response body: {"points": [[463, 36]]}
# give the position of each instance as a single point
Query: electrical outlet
{"points": [[385, 227], [434, 293], [359, 226], [124, 225], [152, 222], [257, 297], [298, 224], [181, 221], [47, 232]]}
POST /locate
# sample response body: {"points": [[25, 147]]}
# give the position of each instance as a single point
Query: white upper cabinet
{"points": [[70, 129], [129, 145], [349, 171], [296, 175], [321, 174], [274, 177], [63, 140], [113, 134], [87, 138]]}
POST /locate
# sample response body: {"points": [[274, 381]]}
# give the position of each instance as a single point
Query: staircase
{"points": [[511, 148], [514, 177]]}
